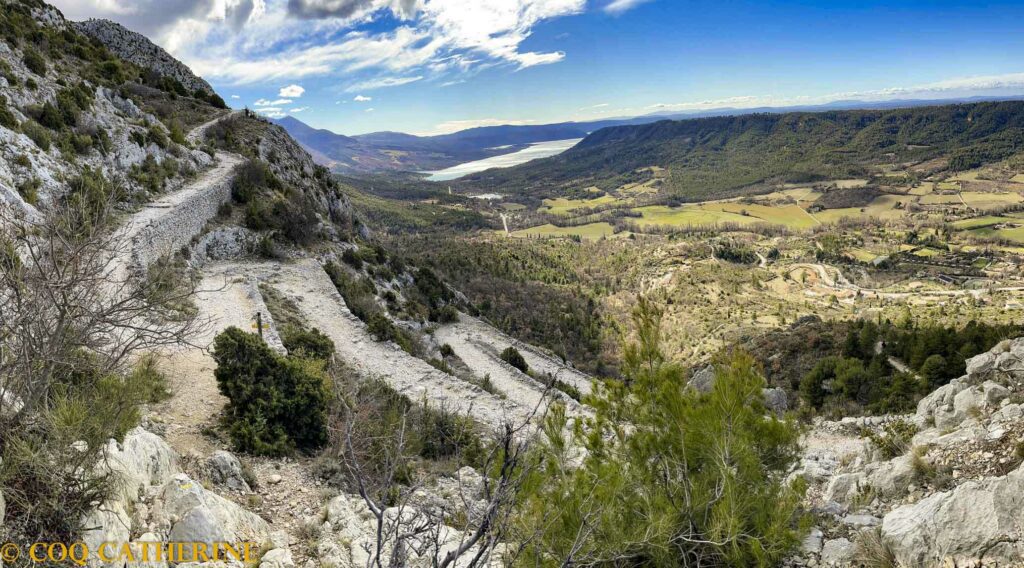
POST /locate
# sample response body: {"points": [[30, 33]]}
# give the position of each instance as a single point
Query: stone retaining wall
{"points": [[169, 233]]}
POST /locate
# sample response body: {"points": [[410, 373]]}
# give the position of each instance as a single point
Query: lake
{"points": [[532, 152]]}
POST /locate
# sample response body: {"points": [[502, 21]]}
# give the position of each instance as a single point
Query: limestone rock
{"points": [[703, 380], [181, 495], [277, 558], [775, 400], [225, 469], [136, 48], [838, 552], [975, 518], [844, 487], [813, 541], [144, 460]]}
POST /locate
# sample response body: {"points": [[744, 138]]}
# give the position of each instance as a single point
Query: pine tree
{"points": [[670, 476]]}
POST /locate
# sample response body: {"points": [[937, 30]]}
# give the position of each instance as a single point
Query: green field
{"points": [[713, 213], [563, 206], [591, 231], [982, 199], [980, 222], [1015, 234]]}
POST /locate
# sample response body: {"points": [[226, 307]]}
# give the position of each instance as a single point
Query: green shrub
{"points": [[156, 135], [447, 351], [352, 258], [49, 116], [513, 357], [112, 71], [276, 404], [251, 179], [37, 133], [177, 132], [29, 190], [309, 343], [153, 176], [7, 119], [34, 62], [894, 441]]}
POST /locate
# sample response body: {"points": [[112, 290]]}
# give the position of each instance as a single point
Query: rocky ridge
{"points": [[136, 48], [955, 497]]}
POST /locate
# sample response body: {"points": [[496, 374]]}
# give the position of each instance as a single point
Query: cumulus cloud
{"points": [[291, 91], [252, 41], [371, 109], [298, 110], [617, 7], [362, 99]]}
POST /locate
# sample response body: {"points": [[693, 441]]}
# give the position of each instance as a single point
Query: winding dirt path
{"points": [[481, 342], [323, 308]]}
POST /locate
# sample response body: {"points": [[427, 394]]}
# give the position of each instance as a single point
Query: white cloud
{"points": [[362, 99], [371, 109], [298, 110], [265, 102], [291, 92], [382, 82], [617, 7], [253, 41], [235, 97], [594, 108]]}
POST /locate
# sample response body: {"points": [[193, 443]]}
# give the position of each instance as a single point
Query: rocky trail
{"points": [[325, 309], [479, 345]]}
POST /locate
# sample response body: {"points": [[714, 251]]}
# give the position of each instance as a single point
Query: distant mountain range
{"points": [[724, 156], [395, 151]]}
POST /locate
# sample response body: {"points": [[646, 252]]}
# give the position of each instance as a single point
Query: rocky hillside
{"points": [[135, 48], [940, 487], [69, 109]]}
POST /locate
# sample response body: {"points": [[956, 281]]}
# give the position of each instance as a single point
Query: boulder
{"points": [[892, 477], [937, 408], [838, 552], [703, 380], [277, 558], [813, 541], [226, 470], [994, 393], [981, 364], [142, 461], [977, 518], [775, 400], [844, 487], [181, 495], [107, 523], [200, 524]]}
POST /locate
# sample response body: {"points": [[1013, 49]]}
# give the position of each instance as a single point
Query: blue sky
{"points": [[431, 66]]}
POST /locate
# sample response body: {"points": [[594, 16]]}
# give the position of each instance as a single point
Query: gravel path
{"points": [[323, 308], [474, 339]]}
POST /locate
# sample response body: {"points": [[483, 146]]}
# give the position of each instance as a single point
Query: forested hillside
{"points": [[725, 156]]}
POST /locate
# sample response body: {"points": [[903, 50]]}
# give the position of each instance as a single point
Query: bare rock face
{"points": [[136, 48], [977, 519]]}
